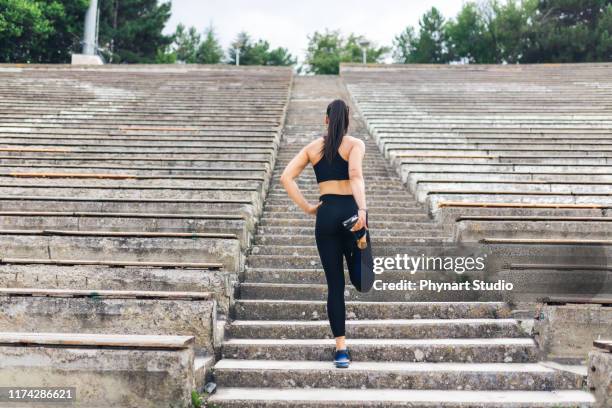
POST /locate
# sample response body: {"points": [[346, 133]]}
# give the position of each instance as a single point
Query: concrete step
{"points": [[374, 201], [261, 309], [299, 261], [373, 223], [391, 195], [373, 210], [309, 291], [496, 350], [311, 250], [316, 274], [377, 329], [436, 239], [403, 229], [393, 375], [288, 217], [392, 185]]}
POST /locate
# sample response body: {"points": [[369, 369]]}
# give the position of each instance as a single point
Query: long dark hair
{"points": [[338, 114]]}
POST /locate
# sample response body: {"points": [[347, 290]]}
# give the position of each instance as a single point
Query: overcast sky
{"points": [[286, 23]]}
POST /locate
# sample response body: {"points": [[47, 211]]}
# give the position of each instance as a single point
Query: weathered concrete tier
{"points": [[107, 164], [235, 224], [415, 177], [532, 283], [325, 397], [180, 157], [249, 309], [573, 251], [594, 200], [106, 370], [123, 246], [154, 192], [450, 213], [93, 138], [125, 181], [393, 375], [110, 312], [517, 350], [474, 228], [600, 377], [566, 332], [163, 277], [125, 205], [252, 171], [377, 329], [481, 143], [151, 149]]}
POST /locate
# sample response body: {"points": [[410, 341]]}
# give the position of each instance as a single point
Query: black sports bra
{"points": [[338, 169]]}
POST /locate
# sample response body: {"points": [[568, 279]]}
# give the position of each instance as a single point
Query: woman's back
{"points": [[332, 176]]}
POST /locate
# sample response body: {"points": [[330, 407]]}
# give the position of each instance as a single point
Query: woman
{"points": [[337, 161]]}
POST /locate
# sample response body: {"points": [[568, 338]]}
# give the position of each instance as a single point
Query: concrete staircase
{"points": [[407, 351]]}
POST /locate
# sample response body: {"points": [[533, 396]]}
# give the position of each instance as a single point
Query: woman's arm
{"points": [[357, 183], [291, 172]]}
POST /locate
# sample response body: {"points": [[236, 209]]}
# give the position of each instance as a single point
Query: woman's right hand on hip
{"points": [[312, 208]]}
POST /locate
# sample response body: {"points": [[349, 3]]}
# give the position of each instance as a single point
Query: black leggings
{"points": [[335, 242]]}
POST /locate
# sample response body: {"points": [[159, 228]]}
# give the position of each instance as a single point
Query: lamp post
{"points": [[91, 20], [364, 44]]}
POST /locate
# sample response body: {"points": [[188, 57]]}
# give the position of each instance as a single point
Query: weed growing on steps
{"points": [[200, 400]]}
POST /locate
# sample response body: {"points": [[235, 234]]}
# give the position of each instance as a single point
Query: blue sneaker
{"points": [[342, 358]]}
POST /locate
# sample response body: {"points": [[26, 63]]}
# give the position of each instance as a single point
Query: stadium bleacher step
{"points": [[331, 397]]}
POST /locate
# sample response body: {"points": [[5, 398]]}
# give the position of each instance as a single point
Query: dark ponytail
{"points": [[338, 114]]}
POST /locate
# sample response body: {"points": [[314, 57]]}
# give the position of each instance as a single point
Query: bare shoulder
{"points": [[354, 142], [314, 148]]}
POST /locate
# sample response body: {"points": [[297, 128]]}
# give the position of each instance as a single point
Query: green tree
{"points": [[429, 46], [603, 35], [431, 43], [469, 37], [131, 30], [186, 43], [258, 52], [404, 45], [510, 27], [328, 49], [209, 50], [280, 56], [569, 31], [41, 31]]}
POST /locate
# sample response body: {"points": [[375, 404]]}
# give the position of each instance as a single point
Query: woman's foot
{"points": [[342, 358]]}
